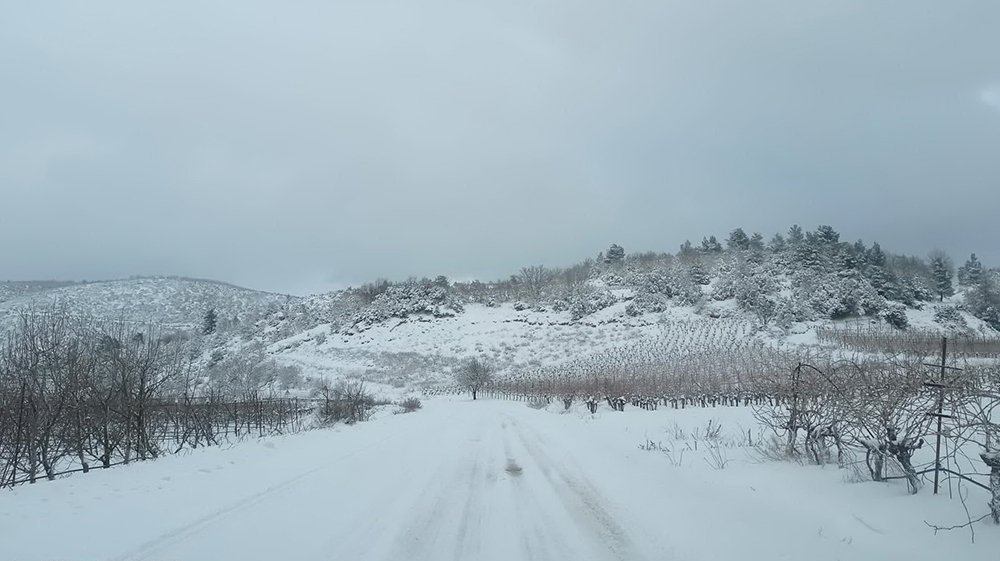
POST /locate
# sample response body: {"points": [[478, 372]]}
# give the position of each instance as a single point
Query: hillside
{"points": [[174, 302], [743, 293], [421, 351]]}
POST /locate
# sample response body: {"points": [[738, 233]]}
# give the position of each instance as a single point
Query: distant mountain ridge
{"points": [[173, 301]]}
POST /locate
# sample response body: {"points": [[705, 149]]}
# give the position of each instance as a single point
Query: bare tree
{"points": [[535, 279], [474, 375]]}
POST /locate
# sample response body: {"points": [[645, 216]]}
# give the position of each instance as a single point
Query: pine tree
{"points": [[687, 251], [827, 235], [811, 255], [970, 274], [875, 256], [983, 301], [698, 274], [795, 235], [615, 254], [738, 240], [942, 270], [710, 245], [777, 243], [210, 323]]}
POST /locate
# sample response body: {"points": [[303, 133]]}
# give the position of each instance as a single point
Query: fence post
{"points": [[941, 385], [940, 412]]}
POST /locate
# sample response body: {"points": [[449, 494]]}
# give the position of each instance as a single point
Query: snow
{"points": [[421, 349], [172, 302], [486, 480]]}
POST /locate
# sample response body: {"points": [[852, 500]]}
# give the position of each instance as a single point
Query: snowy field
{"points": [[489, 480]]}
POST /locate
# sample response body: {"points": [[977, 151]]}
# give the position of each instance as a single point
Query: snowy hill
{"points": [[422, 350], [176, 302]]}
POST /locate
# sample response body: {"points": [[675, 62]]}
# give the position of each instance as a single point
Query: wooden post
{"points": [[940, 414]]}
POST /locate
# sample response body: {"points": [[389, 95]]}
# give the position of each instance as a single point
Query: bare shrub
{"points": [[717, 457], [538, 403], [346, 401], [772, 449], [673, 453], [410, 404]]}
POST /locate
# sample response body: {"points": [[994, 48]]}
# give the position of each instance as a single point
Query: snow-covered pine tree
{"points": [[983, 299], [698, 274], [942, 271], [210, 323], [875, 256], [738, 240], [971, 273], [687, 252], [777, 244], [755, 290], [796, 236], [616, 254], [710, 245]]}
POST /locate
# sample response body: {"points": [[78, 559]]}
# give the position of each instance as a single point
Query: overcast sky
{"points": [[298, 146]]}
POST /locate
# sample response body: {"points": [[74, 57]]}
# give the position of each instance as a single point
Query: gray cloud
{"points": [[296, 145]]}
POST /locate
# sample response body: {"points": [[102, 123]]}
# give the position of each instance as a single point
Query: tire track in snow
{"points": [[581, 499], [167, 539], [471, 509], [451, 513]]}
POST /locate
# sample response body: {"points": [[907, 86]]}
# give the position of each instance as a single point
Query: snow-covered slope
{"points": [[170, 301], [422, 350]]}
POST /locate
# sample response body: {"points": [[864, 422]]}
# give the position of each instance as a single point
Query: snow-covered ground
{"points": [[422, 350], [171, 302], [489, 480]]}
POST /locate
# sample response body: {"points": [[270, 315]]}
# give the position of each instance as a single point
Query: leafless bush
{"points": [[673, 452], [410, 404], [538, 402], [772, 449], [346, 401], [370, 291], [717, 457]]}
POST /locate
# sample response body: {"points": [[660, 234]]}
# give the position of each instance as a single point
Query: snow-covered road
{"points": [[459, 480], [453, 486]]}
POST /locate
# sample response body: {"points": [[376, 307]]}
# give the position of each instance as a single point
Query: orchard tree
{"points": [[474, 375]]}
